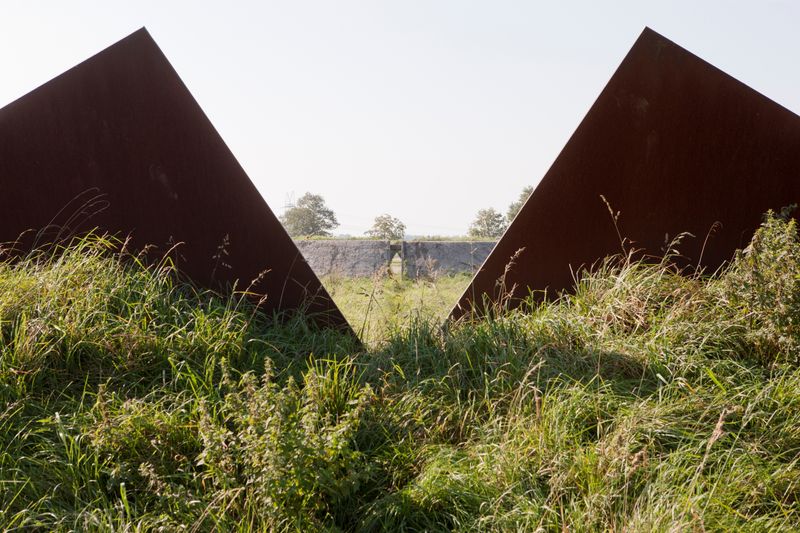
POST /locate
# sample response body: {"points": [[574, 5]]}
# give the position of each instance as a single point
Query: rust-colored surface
{"points": [[118, 143], [675, 145]]}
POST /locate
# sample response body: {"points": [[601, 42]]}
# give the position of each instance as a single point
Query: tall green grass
{"points": [[644, 401]]}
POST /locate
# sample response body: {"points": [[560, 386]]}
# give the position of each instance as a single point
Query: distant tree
{"points": [[516, 205], [309, 217], [387, 227], [488, 223]]}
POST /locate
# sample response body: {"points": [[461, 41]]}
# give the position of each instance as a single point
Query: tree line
{"points": [[311, 217]]}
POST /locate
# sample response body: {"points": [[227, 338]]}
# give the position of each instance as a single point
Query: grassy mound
{"points": [[644, 401]]}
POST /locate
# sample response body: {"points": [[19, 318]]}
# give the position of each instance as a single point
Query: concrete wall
{"points": [[346, 257], [426, 258], [364, 258]]}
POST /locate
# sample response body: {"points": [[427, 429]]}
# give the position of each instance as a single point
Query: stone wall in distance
{"points": [[430, 258], [350, 258]]}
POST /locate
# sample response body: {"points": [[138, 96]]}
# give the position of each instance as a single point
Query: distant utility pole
{"points": [[289, 201]]}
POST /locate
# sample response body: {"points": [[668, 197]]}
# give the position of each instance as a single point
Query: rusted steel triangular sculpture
{"points": [[675, 145], [118, 143]]}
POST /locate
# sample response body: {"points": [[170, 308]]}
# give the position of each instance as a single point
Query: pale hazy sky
{"points": [[426, 110]]}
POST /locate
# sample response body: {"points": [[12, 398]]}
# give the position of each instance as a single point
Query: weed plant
{"points": [[647, 400]]}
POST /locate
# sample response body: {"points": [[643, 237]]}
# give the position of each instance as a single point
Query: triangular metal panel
{"points": [[118, 143], [672, 143]]}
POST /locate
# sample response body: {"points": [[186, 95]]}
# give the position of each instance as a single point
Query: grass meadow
{"points": [[380, 306], [645, 401]]}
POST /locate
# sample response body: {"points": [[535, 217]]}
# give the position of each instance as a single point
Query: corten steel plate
{"points": [[118, 143], [675, 145]]}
